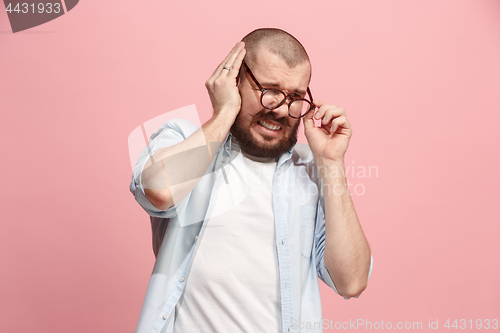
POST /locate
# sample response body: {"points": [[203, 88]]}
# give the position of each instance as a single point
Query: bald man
{"points": [[244, 219]]}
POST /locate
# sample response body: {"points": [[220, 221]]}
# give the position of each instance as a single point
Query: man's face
{"points": [[268, 133]]}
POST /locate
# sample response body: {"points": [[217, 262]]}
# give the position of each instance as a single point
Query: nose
{"points": [[282, 111]]}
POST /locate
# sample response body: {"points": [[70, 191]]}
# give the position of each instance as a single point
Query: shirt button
{"points": [[196, 238], [224, 160], [164, 316], [181, 279]]}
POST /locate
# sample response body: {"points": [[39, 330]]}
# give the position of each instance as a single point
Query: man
{"points": [[244, 220]]}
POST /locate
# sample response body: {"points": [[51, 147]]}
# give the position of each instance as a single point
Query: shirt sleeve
{"points": [[319, 239], [169, 134]]}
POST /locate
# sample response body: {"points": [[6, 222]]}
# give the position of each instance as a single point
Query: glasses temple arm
{"points": [[251, 75], [312, 99]]}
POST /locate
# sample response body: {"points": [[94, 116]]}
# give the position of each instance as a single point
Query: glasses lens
{"points": [[272, 98], [299, 107]]}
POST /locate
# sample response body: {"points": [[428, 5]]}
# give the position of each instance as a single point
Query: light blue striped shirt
{"points": [[299, 224]]}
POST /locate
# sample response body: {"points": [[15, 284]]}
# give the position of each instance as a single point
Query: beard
{"points": [[244, 138]]}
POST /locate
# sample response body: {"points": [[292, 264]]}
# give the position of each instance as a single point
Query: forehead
{"points": [[272, 71]]}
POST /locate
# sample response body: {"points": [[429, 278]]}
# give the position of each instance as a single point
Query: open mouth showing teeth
{"points": [[268, 125]]}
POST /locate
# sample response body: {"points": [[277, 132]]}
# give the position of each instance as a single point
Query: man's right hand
{"points": [[222, 86], [183, 164]]}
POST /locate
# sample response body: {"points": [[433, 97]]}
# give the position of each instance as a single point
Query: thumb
{"points": [[308, 120], [318, 103]]}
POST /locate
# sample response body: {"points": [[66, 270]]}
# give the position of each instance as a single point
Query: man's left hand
{"points": [[329, 141]]}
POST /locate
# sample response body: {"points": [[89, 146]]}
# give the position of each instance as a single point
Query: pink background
{"points": [[419, 80]]}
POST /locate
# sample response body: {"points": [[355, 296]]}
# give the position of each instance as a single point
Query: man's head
{"points": [[279, 61]]}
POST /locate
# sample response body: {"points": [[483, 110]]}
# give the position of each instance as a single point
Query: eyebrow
{"points": [[276, 85]]}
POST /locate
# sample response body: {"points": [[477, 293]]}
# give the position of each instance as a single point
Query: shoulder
{"points": [[181, 127]]}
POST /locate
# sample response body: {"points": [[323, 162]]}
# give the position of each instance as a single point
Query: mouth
{"points": [[268, 128], [268, 125]]}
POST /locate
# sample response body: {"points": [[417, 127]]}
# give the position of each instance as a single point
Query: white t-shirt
{"points": [[233, 285]]}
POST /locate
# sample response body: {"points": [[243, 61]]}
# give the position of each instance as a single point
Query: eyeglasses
{"points": [[274, 98]]}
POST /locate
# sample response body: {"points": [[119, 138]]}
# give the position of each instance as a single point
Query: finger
{"points": [[231, 59], [322, 108], [331, 114], [222, 64], [318, 103], [235, 69], [340, 125]]}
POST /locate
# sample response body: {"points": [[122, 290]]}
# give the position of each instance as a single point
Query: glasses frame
{"points": [[264, 90]]}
